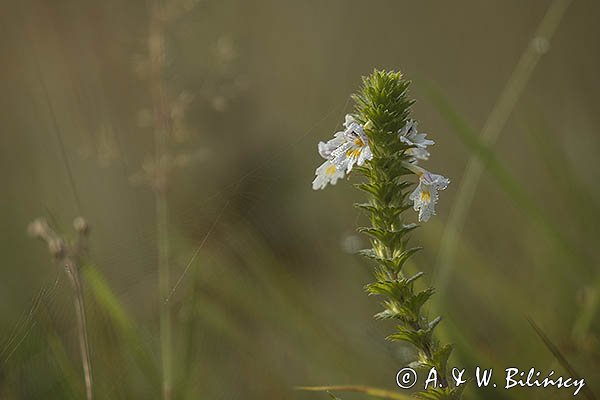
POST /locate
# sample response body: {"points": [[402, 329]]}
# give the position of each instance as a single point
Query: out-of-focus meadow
{"points": [[274, 296]]}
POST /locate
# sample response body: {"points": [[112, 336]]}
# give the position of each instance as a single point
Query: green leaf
{"points": [[418, 338], [417, 301]]}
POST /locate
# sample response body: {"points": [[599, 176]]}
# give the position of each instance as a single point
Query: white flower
{"points": [[347, 148], [327, 173], [355, 148], [425, 196], [325, 149], [409, 135], [349, 120]]}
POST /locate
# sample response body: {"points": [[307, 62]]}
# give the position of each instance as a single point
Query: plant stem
{"points": [[156, 54], [162, 219], [386, 249], [383, 106], [73, 272]]}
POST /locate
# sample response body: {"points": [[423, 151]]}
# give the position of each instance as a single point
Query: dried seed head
{"points": [[81, 226], [57, 247], [38, 228]]}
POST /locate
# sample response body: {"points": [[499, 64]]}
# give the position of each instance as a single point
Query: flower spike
{"points": [[387, 148]]}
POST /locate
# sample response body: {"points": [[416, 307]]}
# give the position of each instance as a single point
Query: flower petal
{"points": [[326, 173]]}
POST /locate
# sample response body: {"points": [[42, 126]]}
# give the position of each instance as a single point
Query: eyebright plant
{"points": [[382, 144]]}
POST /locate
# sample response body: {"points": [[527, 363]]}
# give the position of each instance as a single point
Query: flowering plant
{"points": [[382, 144]]}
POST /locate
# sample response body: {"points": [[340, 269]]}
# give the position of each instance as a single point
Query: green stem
{"points": [[383, 107], [427, 346], [156, 54], [162, 220]]}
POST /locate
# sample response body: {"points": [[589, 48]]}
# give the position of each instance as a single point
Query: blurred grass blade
{"points": [[124, 324], [585, 319], [105, 297], [491, 131], [581, 203], [552, 154], [71, 382], [507, 181], [370, 391], [518, 194], [560, 358]]}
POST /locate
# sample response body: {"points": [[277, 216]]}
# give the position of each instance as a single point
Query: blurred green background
{"points": [[274, 298]]}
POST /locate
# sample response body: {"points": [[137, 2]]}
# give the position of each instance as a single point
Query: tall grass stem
{"points": [[156, 54], [162, 220], [82, 331], [489, 135]]}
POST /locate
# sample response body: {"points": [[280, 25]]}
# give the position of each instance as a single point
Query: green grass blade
{"points": [[495, 166], [122, 321], [492, 129]]}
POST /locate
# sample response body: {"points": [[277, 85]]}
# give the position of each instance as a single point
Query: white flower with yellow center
{"points": [[355, 149], [328, 173], [409, 135], [425, 196]]}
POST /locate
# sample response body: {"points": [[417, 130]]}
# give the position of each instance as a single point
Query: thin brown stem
{"points": [[82, 332]]}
